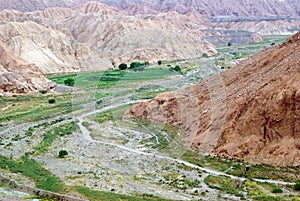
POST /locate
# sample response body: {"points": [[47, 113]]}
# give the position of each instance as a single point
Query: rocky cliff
{"points": [[251, 111], [18, 76]]}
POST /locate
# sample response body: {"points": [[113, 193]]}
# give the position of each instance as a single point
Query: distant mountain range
{"points": [[257, 8]]}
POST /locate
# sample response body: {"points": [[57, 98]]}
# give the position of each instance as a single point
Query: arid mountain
{"points": [[278, 16], [205, 7], [250, 111], [18, 76], [96, 37]]}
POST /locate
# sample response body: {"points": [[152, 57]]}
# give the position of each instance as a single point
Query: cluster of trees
{"points": [[134, 65]]}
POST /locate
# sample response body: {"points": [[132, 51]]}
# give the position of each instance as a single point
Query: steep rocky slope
{"points": [[97, 37], [49, 49], [251, 111], [18, 76]]}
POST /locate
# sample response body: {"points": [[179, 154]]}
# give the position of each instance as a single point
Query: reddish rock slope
{"points": [[251, 111]]}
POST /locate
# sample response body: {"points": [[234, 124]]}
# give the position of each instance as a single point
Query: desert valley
{"points": [[149, 100]]}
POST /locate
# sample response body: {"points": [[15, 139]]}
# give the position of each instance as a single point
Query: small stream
{"points": [[13, 193]]}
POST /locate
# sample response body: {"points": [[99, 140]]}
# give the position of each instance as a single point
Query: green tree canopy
{"points": [[123, 66], [69, 82]]}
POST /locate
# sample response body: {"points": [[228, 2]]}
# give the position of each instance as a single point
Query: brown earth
{"points": [[251, 111]]}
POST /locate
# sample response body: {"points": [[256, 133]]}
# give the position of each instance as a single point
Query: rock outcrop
{"points": [[251, 111], [18, 76]]}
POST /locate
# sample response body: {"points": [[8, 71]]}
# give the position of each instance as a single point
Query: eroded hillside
{"points": [[250, 111], [18, 76]]}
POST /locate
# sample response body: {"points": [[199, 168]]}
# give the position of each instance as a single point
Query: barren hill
{"points": [[205, 7], [97, 37], [250, 111], [19, 76]]}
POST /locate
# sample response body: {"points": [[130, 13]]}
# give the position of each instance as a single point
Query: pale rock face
{"points": [[98, 37], [250, 111], [18, 76], [50, 50]]}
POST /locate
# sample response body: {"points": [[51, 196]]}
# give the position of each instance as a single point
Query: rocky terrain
{"points": [[96, 37], [250, 111], [18, 76], [205, 7]]}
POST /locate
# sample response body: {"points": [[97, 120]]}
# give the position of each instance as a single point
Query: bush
{"points": [[62, 153], [135, 64], [146, 63], [69, 82], [297, 186], [177, 68], [123, 66], [159, 62], [205, 55], [229, 44], [51, 101], [277, 190], [43, 91]]}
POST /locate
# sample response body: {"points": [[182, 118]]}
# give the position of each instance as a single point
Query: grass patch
{"points": [[214, 162], [113, 114], [51, 135], [225, 184], [110, 78], [32, 169], [34, 107], [275, 173], [105, 196]]}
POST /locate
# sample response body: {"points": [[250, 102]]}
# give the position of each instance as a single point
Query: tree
{"points": [[146, 63], [135, 64], [159, 62], [69, 82], [42, 91], [123, 66], [51, 101], [229, 44], [297, 186], [62, 153], [177, 68]]}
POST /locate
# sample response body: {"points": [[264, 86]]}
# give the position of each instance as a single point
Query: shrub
{"points": [[135, 64], [229, 44], [277, 190], [51, 101], [159, 62], [177, 68], [69, 82], [43, 91], [297, 186], [62, 153], [205, 55], [146, 63], [273, 43], [123, 66]]}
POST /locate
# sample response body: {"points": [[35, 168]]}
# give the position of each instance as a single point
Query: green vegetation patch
{"points": [[51, 135], [214, 162], [225, 184], [105, 196], [34, 107], [32, 169]]}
